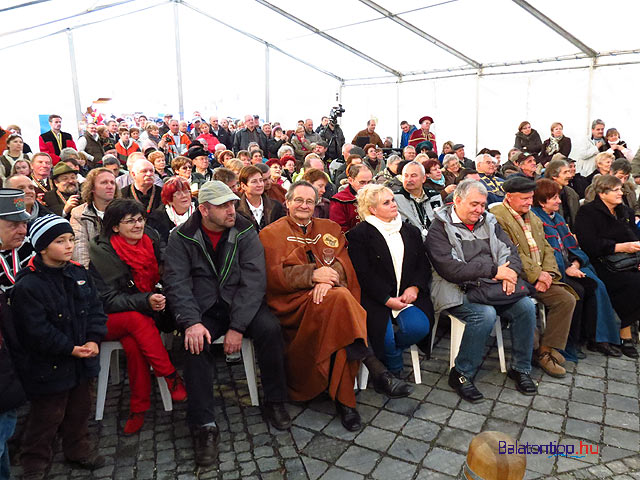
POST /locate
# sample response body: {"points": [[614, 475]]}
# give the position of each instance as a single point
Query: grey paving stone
{"points": [[325, 448], [550, 389], [268, 464], [358, 459], [585, 430], [587, 396], [335, 473], [584, 368], [314, 467], [301, 437], [435, 413], [312, 419], [545, 421], [409, 449], [295, 469], [444, 461], [608, 453], [420, 429], [589, 383], [539, 462], [600, 471], [375, 438], [617, 467], [510, 428], [621, 438], [568, 464], [482, 408], [426, 474], [621, 419], [490, 392], [405, 406], [506, 411], [390, 468], [626, 404], [389, 420], [454, 439], [467, 421], [370, 397], [588, 413], [514, 397], [620, 388], [441, 397], [335, 429], [550, 404]]}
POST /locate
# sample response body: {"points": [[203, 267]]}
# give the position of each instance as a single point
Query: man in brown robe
{"points": [[313, 290]]}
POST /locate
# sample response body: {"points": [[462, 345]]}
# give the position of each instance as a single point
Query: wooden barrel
{"points": [[485, 460]]}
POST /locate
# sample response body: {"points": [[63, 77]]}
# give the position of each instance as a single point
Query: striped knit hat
{"points": [[46, 229]]}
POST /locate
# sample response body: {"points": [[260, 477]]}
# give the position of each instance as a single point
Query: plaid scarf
{"points": [[525, 224]]}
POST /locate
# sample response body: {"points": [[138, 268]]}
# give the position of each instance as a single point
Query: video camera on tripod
{"points": [[335, 113]]}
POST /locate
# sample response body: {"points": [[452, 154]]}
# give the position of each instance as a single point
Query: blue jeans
{"points": [[479, 320], [7, 427], [412, 326]]}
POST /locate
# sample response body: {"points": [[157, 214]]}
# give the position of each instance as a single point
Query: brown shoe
{"points": [[558, 357], [549, 364]]}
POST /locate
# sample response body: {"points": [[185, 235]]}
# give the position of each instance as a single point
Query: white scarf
{"points": [[390, 231], [178, 219]]}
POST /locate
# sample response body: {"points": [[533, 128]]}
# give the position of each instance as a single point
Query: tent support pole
{"points": [[398, 129], [267, 82], [176, 29], [478, 104], [74, 78], [590, 91]]}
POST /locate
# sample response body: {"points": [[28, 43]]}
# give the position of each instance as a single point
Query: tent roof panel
{"points": [[604, 27], [498, 38]]}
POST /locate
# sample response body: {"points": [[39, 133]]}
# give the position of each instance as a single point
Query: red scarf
{"points": [[142, 260]]}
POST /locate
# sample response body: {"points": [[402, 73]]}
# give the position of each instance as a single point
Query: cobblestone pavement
{"points": [[424, 436]]}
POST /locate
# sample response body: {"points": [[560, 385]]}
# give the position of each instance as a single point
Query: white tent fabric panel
{"points": [[612, 25], [42, 86]]}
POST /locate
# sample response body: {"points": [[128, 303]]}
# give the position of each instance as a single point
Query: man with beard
{"points": [[64, 197], [143, 189]]}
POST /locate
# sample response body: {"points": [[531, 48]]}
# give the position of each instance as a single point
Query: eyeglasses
{"points": [[133, 221], [301, 201]]}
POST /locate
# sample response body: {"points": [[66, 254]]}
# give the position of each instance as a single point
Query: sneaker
{"points": [[549, 364], [134, 423], [176, 387], [233, 358]]}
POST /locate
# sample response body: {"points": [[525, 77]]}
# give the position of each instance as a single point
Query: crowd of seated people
{"points": [[330, 256]]}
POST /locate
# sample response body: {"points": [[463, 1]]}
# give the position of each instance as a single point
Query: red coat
{"points": [[123, 153], [419, 136], [48, 144], [342, 209], [212, 141]]}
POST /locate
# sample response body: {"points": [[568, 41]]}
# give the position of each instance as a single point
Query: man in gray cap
{"points": [[215, 278], [65, 196], [540, 269], [15, 253], [467, 163]]}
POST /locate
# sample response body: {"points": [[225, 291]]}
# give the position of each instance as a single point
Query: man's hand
{"points": [[505, 273], [325, 275], [157, 302], [541, 287], [194, 338], [627, 247], [599, 143], [410, 295], [319, 291], [232, 342], [546, 278], [574, 271], [395, 303], [74, 201], [508, 287]]}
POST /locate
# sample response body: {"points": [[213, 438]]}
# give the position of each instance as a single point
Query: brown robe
{"points": [[314, 332]]}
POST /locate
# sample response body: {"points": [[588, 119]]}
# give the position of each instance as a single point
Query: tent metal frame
{"points": [[471, 68]]}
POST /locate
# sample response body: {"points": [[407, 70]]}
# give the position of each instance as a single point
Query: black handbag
{"points": [[490, 292], [621, 262]]}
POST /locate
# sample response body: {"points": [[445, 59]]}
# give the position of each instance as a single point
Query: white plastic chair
{"points": [[249, 360], [110, 362], [363, 374], [457, 330]]}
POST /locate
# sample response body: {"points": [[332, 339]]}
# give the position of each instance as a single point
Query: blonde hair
{"points": [[235, 165], [369, 196], [604, 156]]}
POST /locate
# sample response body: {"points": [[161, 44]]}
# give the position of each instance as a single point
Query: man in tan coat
{"points": [[539, 269]]}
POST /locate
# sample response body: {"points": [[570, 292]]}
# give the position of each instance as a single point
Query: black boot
{"points": [[464, 387], [205, 444], [349, 417], [276, 415], [383, 380]]}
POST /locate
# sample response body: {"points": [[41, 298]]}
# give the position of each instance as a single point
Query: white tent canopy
{"points": [[478, 67]]}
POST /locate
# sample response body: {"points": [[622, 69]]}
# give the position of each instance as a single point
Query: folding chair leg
{"points": [[363, 377], [497, 327], [415, 361], [164, 394], [434, 330], [103, 380], [457, 331], [248, 358]]}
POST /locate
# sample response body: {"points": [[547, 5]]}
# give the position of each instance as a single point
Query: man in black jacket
{"points": [[223, 136], [215, 278], [249, 134]]}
